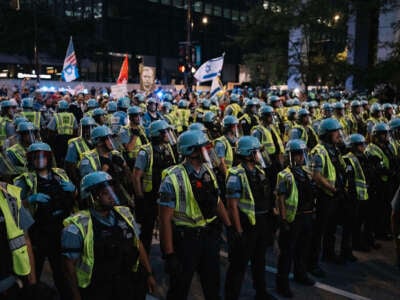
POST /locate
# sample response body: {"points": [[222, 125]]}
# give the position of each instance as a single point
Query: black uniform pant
{"points": [[349, 208], [146, 215], [251, 247], [197, 250], [362, 231], [381, 206], [48, 245], [324, 229], [294, 245]]}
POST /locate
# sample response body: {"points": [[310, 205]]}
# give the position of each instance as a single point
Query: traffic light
{"points": [[181, 68]]}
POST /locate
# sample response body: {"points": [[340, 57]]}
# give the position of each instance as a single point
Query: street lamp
{"points": [[336, 18], [204, 20]]}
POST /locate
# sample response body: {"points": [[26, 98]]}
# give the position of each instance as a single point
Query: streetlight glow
{"points": [[204, 20], [336, 17]]}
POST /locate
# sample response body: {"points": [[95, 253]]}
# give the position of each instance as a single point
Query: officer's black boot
{"points": [[282, 287]]}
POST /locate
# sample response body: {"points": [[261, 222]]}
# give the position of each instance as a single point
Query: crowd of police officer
{"points": [[86, 183]]}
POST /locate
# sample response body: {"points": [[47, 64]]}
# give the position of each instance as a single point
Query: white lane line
{"points": [[318, 285]]}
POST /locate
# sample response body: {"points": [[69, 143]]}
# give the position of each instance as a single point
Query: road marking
{"points": [[318, 285]]}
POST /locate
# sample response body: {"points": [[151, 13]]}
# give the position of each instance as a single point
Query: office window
{"points": [[166, 2], [208, 9], [227, 13], [217, 11], [235, 15], [198, 6], [98, 10], [154, 1], [178, 3], [243, 17]]}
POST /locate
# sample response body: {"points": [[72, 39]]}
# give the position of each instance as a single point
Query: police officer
{"points": [[355, 120], [249, 202], [120, 117], [375, 118], [91, 105], [303, 129], [152, 159], [296, 205], [270, 139], [7, 128], [50, 195], [77, 146], [355, 211], [249, 119], [62, 127], [183, 114], [213, 125], [105, 157], [340, 115], [133, 135], [101, 246], [395, 222], [290, 122], [151, 114], [189, 205], [381, 156], [327, 169], [326, 112], [233, 108], [100, 116], [33, 116], [388, 112], [26, 135], [15, 245]]}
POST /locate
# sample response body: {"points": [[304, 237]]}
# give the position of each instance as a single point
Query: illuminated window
{"points": [[208, 9], [166, 2], [198, 6], [235, 15], [227, 13], [178, 3], [217, 11]]}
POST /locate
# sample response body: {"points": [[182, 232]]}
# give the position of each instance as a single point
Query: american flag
{"points": [[70, 68]]}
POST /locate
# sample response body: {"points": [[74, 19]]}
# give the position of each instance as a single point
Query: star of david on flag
{"points": [[70, 67], [210, 69]]}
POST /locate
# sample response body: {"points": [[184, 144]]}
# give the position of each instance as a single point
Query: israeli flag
{"points": [[210, 69]]}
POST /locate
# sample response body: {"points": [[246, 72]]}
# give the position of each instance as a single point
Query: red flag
{"points": [[123, 73]]}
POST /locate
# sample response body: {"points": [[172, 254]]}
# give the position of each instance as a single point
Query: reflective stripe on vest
{"points": [[374, 150], [93, 157], [32, 116], [228, 150], [359, 178], [134, 152], [148, 173], [292, 200], [10, 205], [246, 202], [266, 138], [65, 123], [80, 145], [19, 153], [83, 221], [3, 129], [236, 109], [187, 211], [328, 170], [278, 138]]}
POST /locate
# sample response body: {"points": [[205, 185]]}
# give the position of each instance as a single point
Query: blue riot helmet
{"points": [[167, 97], [296, 152], [111, 107], [19, 119], [135, 115], [27, 103], [161, 131], [28, 133], [63, 105], [303, 115], [251, 106], [197, 126], [328, 125], [39, 156], [249, 146], [296, 102], [206, 104], [166, 108], [380, 132], [234, 98], [327, 110], [376, 110], [92, 104], [274, 100], [209, 117], [87, 124], [103, 136], [355, 140], [291, 114], [230, 124], [98, 112], [152, 104], [183, 103], [98, 188], [123, 103]]}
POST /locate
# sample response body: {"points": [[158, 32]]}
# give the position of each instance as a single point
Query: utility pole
{"points": [[35, 42], [188, 74]]}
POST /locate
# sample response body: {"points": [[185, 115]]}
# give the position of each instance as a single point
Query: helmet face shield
{"points": [[86, 131], [29, 137], [235, 130], [106, 196], [172, 139], [298, 158], [40, 159], [206, 157], [258, 158], [109, 142]]}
